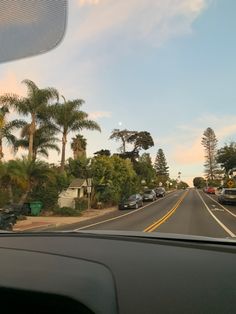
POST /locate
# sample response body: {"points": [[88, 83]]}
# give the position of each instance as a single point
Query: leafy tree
{"points": [[226, 156], [48, 192], [144, 169], [69, 118], [161, 168], [44, 140], [123, 136], [182, 185], [139, 140], [79, 168], [103, 152], [199, 182], [113, 178], [78, 145], [35, 104], [7, 129], [209, 142]]}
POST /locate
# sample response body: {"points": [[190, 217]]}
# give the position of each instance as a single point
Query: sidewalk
{"points": [[43, 222]]}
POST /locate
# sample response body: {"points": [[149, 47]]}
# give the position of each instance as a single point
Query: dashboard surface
{"points": [[110, 273]]}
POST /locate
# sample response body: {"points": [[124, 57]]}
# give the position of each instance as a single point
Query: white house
{"points": [[77, 189]]}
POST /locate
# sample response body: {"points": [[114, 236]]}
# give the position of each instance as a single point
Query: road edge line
{"points": [[118, 217], [216, 219], [221, 205]]}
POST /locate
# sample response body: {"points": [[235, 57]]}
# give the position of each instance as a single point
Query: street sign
{"points": [[89, 189], [230, 183]]}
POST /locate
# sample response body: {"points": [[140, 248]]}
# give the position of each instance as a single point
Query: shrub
{"points": [[81, 204], [66, 211]]}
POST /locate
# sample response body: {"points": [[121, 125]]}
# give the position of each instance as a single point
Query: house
{"points": [[77, 189]]}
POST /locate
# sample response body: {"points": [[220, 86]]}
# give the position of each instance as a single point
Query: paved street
{"points": [[188, 212]]}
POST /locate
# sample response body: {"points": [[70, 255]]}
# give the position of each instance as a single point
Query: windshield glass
{"points": [[132, 198], [230, 192], [138, 97]]}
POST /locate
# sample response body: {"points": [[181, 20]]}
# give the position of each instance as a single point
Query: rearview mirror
{"points": [[31, 27]]}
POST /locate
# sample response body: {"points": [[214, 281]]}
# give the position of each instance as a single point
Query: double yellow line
{"points": [[160, 221]]}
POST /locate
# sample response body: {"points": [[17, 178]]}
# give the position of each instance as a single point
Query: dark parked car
{"points": [[134, 201], [160, 192], [227, 196], [149, 195]]}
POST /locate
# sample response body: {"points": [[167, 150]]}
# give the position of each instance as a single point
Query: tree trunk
{"points": [[1, 152], [24, 197], [63, 152], [10, 194], [31, 137]]}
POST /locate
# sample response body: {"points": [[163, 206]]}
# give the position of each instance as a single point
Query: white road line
{"points": [[216, 219], [118, 217], [221, 206]]}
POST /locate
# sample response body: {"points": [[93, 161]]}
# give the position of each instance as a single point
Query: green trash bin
{"points": [[36, 208]]}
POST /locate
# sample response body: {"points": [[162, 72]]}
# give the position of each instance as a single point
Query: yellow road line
{"points": [[160, 221]]}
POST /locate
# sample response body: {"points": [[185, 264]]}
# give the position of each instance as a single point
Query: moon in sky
{"points": [[120, 123]]}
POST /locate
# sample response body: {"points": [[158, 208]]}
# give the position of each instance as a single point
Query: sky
{"points": [[163, 66]]}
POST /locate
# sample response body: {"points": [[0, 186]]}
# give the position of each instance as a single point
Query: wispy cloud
{"points": [[155, 20], [88, 2], [186, 145], [9, 83], [99, 114]]}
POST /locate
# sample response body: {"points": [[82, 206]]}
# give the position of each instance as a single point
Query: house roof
{"points": [[77, 183]]}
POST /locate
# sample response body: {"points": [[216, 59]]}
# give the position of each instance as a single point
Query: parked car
{"points": [[227, 196], [133, 201], [160, 192], [149, 195], [210, 190]]}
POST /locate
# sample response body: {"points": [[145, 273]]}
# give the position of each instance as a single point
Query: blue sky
{"points": [[167, 67]]}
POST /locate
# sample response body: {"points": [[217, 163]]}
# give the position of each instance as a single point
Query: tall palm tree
{"points": [[78, 145], [69, 118], [34, 105], [6, 129], [44, 140]]}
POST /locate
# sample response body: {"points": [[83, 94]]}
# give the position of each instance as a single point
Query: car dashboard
{"points": [[112, 272]]}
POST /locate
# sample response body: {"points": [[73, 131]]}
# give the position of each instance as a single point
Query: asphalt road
{"points": [[189, 212]]}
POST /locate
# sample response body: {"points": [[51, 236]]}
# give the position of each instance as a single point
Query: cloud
{"points": [[156, 21], [186, 147], [10, 83], [88, 2], [189, 154], [99, 114]]}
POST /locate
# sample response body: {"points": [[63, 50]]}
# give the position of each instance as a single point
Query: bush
{"points": [[81, 204], [66, 211]]}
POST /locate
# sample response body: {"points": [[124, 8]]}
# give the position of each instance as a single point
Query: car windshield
{"points": [[137, 98], [230, 192], [132, 198]]}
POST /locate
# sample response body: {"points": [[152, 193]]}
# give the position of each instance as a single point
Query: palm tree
{"points": [[27, 174], [78, 146], [69, 118], [6, 129], [44, 140], [35, 104]]}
